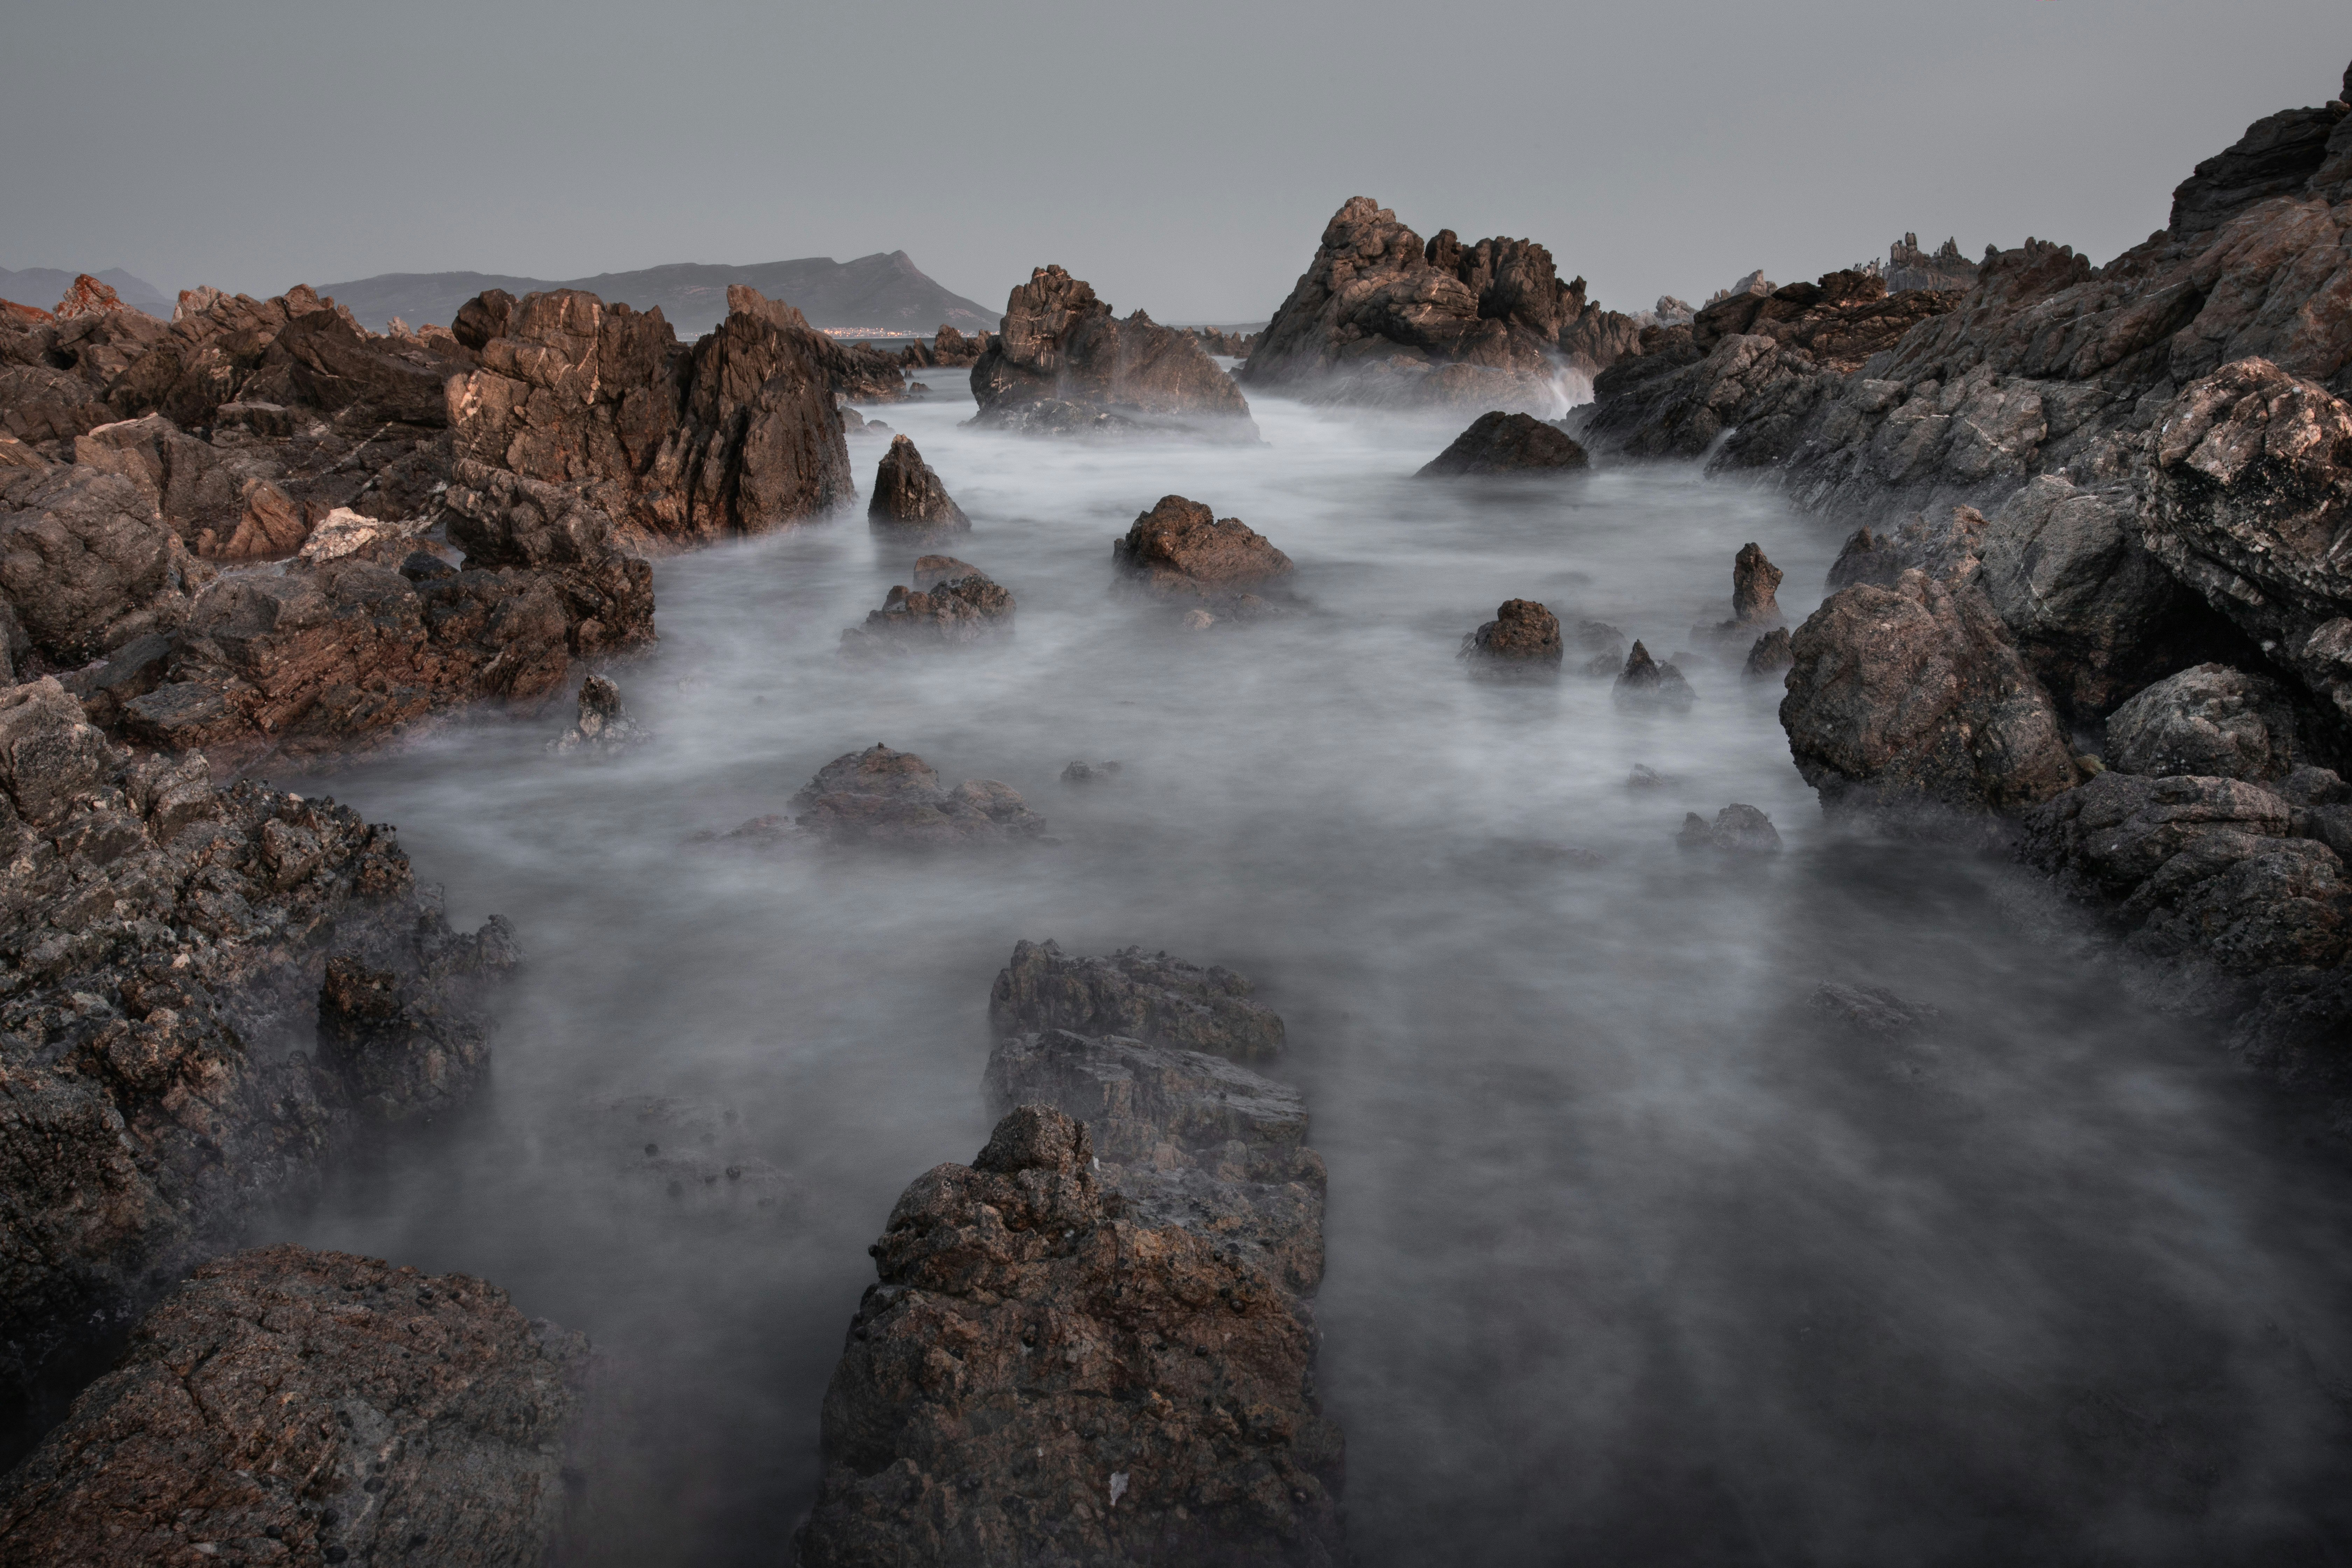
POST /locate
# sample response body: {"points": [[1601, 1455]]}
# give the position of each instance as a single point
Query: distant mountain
{"points": [[44, 285], [877, 290]]}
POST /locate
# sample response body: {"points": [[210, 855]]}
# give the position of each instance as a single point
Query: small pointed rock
{"points": [[908, 491], [1646, 683], [1754, 580]]}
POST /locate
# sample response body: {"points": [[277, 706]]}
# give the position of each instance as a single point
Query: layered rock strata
{"points": [[1381, 318], [285, 1405], [1499, 443], [1063, 364], [206, 990]]}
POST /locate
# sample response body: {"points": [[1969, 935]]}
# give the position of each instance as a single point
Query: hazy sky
{"points": [[1182, 158]]}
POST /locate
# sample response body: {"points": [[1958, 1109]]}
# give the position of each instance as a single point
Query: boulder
{"points": [[168, 941], [1154, 998], [1179, 550], [1737, 828], [605, 725], [1771, 654], [907, 492], [1522, 632], [2209, 720], [290, 1405], [1645, 683], [85, 564], [1065, 364], [879, 796], [954, 605], [1498, 443]]}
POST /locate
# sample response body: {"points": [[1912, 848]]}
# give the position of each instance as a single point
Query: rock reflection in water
{"points": [[1633, 1255]]}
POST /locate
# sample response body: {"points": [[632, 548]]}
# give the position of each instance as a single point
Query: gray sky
{"points": [[1182, 158]]}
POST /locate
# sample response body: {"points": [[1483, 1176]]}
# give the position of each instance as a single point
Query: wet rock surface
{"points": [[1500, 443], [286, 1406], [909, 492], [170, 1059], [879, 796], [1159, 1000], [1522, 633], [1063, 364]]}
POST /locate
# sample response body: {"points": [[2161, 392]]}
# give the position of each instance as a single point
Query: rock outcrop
{"points": [[1180, 551], [1646, 684], [1063, 364], [1159, 1000], [879, 796], [1522, 633], [952, 605], [1770, 653], [1736, 829], [173, 1049], [285, 1405], [1498, 443], [1094, 1343], [1908, 266], [605, 725], [2209, 720], [1755, 602], [907, 492]]}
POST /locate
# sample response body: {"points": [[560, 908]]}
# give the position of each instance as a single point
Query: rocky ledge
{"points": [[207, 990], [289, 1407], [1063, 364], [1094, 1343]]}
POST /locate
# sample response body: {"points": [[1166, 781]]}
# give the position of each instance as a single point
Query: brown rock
{"points": [[1770, 655], [1522, 631], [1646, 683], [1499, 443], [291, 1406], [1754, 583], [953, 604], [908, 491], [1065, 364]]}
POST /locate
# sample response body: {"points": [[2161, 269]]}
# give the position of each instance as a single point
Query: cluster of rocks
{"points": [[1500, 443], [1095, 1343], [948, 347], [1228, 345], [1217, 568], [1063, 364], [286, 1406], [910, 494], [1908, 266], [952, 603], [206, 991], [1738, 829], [1381, 317]]}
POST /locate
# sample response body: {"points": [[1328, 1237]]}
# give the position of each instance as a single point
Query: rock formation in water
{"points": [[1645, 683], [1381, 318], [1063, 364], [1770, 653], [1738, 829], [1093, 1344], [1180, 551], [953, 604], [605, 725], [1159, 1000], [1522, 632], [879, 796], [285, 1405], [169, 947], [907, 492], [1498, 443], [1603, 646], [1755, 604], [950, 347]]}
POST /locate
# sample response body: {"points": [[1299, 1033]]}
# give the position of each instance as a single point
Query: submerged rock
{"points": [[907, 492], [1063, 364], [1772, 655], [1090, 773], [1498, 443], [605, 722], [290, 1405], [1522, 632], [884, 797], [1646, 683], [1180, 550], [1603, 646], [1741, 829], [1159, 1000], [954, 605]]}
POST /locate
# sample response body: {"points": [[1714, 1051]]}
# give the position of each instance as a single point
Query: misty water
{"points": [[1631, 1259]]}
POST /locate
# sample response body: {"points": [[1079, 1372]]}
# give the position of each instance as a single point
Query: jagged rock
{"points": [[1645, 778], [1063, 363], [604, 723], [85, 564], [1772, 654], [1179, 550], [1645, 683], [1157, 999], [1522, 631], [1872, 1011], [1498, 443], [344, 532], [2209, 720], [88, 297], [1739, 829], [1122, 1391], [1381, 318], [1908, 266], [953, 604], [2201, 867], [1866, 557], [885, 797], [908, 491], [1755, 582], [290, 1406], [165, 941], [950, 347]]}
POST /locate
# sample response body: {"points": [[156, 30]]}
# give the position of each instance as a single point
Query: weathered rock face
{"points": [[605, 725], [1180, 550], [885, 798], [950, 347], [1908, 266], [952, 605], [1498, 443], [1736, 829], [1154, 998], [908, 491], [1381, 318], [1645, 683], [1755, 587], [2209, 720], [1065, 364], [165, 1054], [1522, 632], [291, 1406]]}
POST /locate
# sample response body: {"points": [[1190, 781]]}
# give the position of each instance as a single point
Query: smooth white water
{"points": [[1630, 1260]]}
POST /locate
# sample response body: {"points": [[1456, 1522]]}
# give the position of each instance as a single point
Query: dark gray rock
{"points": [[1645, 683], [2209, 720], [1737, 828], [907, 492], [1154, 998], [1872, 1011], [1499, 443]]}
